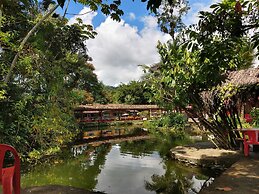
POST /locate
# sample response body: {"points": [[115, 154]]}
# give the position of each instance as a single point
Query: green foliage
{"points": [[133, 93], [52, 76], [174, 119], [169, 130], [171, 183], [255, 115], [177, 73], [229, 21], [2, 94], [194, 65], [170, 16]]}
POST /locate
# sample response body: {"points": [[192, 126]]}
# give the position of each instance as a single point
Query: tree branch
{"points": [[8, 76], [66, 10], [79, 13]]}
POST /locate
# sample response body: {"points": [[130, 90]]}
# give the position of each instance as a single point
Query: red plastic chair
{"points": [[10, 176]]}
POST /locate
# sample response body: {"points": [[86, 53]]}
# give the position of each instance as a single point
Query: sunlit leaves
{"points": [[2, 94], [45, 3], [177, 72]]}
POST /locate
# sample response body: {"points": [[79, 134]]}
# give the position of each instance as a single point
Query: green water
{"points": [[128, 167]]}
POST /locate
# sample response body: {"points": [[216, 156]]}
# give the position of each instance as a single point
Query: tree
{"points": [[231, 20], [50, 79], [133, 93], [45, 71], [195, 64]]}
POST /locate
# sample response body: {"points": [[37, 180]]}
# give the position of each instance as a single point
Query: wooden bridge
{"points": [[115, 112]]}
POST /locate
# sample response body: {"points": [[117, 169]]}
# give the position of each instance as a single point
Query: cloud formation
{"points": [[119, 48], [132, 16]]}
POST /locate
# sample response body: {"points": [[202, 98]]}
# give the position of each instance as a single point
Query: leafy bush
{"points": [[168, 130], [175, 120], [255, 114]]}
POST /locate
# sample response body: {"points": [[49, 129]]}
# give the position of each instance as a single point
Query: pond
{"points": [[128, 167]]}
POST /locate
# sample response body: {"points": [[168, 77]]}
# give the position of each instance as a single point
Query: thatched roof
{"points": [[241, 79], [116, 107], [244, 77]]}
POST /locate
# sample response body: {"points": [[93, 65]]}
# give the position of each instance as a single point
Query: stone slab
{"points": [[205, 155]]}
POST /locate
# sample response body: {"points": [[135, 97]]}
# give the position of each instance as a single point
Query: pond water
{"points": [[129, 167]]}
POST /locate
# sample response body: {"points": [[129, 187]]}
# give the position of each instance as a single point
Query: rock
{"points": [[205, 156]]}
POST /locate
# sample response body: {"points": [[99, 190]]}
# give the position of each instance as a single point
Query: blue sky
{"points": [[120, 47], [128, 6]]}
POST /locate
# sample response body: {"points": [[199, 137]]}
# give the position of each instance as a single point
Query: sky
{"points": [[120, 47]]}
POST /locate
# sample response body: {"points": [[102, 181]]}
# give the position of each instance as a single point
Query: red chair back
{"points": [[9, 176]]}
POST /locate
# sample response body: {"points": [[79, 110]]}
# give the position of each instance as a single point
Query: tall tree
{"points": [[195, 64], [47, 82]]}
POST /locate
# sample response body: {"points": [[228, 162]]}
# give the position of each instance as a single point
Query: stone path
{"points": [[241, 178]]}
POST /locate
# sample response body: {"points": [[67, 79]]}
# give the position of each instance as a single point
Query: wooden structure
{"points": [[115, 112], [244, 84], [247, 80]]}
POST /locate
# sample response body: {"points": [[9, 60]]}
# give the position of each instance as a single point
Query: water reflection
{"points": [[78, 150], [177, 179], [126, 173], [128, 167], [199, 183], [80, 172]]}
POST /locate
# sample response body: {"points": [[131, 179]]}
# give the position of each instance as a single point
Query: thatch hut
{"points": [[219, 110], [244, 77], [242, 85], [247, 83]]}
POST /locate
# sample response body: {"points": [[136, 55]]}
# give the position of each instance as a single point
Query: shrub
{"points": [[255, 114]]}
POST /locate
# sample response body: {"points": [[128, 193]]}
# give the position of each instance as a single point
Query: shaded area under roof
{"points": [[116, 107]]}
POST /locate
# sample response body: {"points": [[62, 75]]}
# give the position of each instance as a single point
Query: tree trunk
{"points": [[8, 76]]}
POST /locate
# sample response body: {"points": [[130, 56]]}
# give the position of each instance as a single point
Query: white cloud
{"points": [[85, 14], [119, 48], [132, 16], [150, 22]]}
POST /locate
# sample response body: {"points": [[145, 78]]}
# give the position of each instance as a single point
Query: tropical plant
{"points": [[194, 65], [255, 115], [52, 75]]}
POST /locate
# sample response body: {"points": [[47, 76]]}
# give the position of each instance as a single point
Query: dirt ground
{"points": [[241, 178]]}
